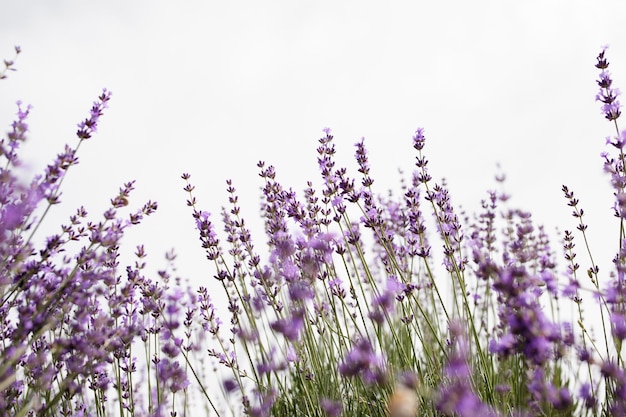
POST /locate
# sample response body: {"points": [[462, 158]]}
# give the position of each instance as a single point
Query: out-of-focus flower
{"points": [[404, 401], [362, 361]]}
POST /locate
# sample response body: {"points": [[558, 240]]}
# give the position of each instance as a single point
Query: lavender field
{"points": [[352, 301], [329, 208]]}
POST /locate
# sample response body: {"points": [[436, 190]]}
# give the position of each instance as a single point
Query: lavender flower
{"points": [[291, 327], [449, 227], [457, 396], [362, 361], [89, 126], [330, 408], [10, 63], [611, 107], [383, 303], [172, 375]]}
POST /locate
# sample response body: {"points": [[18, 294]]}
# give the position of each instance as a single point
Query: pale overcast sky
{"points": [[211, 87]]}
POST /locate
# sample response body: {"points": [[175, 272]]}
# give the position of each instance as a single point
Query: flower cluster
{"points": [[348, 308], [69, 315]]}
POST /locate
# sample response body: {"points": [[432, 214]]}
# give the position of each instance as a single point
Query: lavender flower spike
{"points": [[611, 107]]}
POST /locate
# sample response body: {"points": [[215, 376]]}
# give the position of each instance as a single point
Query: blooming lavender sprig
{"points": [[449, 227], [371, 213], [615, 291], [89, 126], [417, 239], [19, 128], [9, 64], [611, 107], [614, 165], [456, 396], [363, 362]]}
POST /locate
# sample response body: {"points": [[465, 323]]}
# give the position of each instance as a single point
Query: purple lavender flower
{"points": [[230, 385], [266, 400], [271, 364], [416, 230], [326, 163], [544, 392], [330, 407], [419, 141], [587, 395], [172, 375], [10, 63], [291, 327], [457, 397], [382, 304], [618, 325], [362, 361], [89, 126], [449, 227], [607, 95], [531, 332]]}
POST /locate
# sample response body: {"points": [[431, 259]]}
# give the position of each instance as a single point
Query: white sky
{"points": [[210, 88]]}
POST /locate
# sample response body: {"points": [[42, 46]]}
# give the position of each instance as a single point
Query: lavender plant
{"points": [[352, 303], [66, 314]]}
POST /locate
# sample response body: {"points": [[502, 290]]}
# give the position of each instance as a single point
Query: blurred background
{"points": [[210, 88]]}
